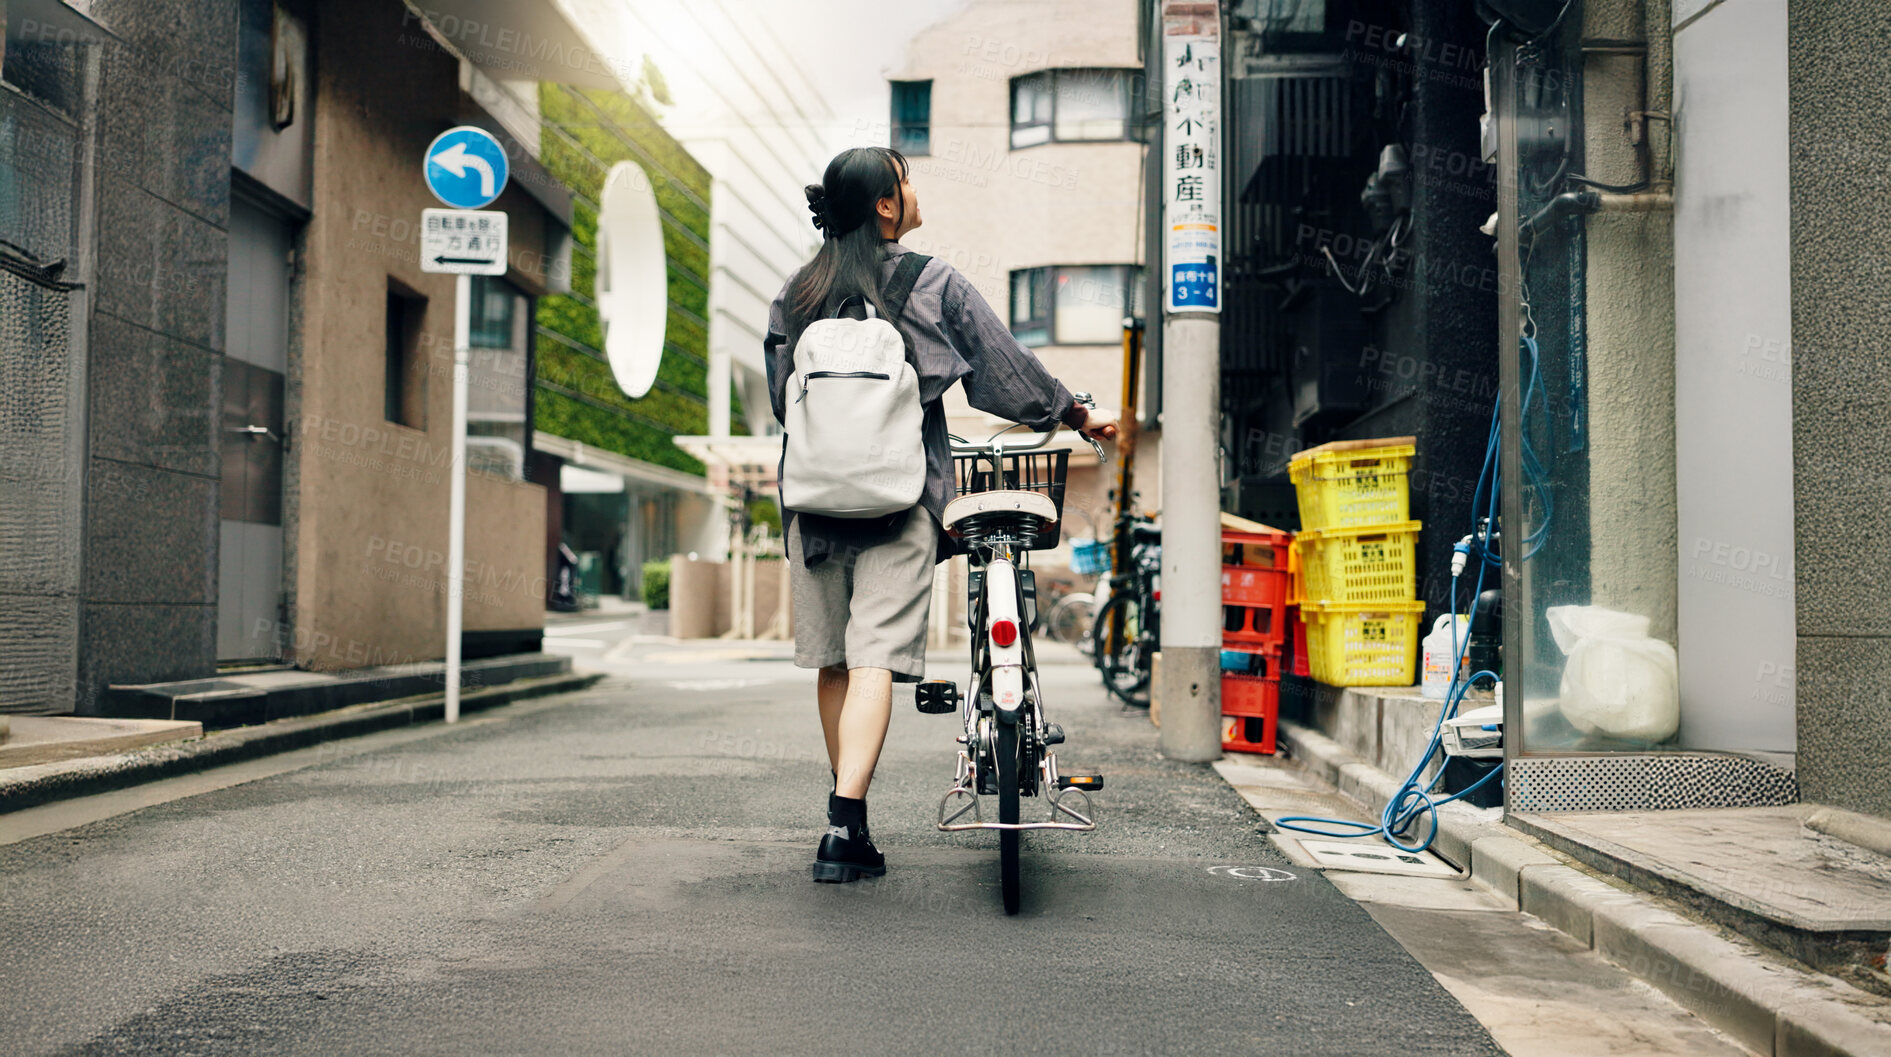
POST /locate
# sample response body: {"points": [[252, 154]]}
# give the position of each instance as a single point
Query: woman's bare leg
{"points": [[862, 729], [831, 688]]}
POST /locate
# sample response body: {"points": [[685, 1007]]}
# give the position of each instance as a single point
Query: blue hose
{"points": [[1414, 798]]}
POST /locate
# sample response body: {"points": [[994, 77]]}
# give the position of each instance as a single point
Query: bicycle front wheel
{"points": [[1120, 650], [1071, 620]]}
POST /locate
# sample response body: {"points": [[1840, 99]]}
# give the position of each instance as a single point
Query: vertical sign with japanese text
{"points": [[1191, 194]]}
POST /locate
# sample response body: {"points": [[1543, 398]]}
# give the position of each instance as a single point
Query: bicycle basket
{"points": [[1024, 471], [1090, 557]]}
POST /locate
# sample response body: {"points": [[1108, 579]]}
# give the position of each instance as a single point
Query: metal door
{"points": [[249, 586]]}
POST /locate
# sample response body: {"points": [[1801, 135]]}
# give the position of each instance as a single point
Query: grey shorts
{"points": [[866, 608]]}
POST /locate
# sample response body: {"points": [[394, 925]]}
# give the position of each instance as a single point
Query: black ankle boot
{"points": [[847, 852]]}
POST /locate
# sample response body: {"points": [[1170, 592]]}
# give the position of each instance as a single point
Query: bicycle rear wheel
{"points": [[1008, 813], [1119, 655]]}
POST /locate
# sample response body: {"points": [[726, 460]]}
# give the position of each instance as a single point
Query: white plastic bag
{"points": [[1618, 681]]}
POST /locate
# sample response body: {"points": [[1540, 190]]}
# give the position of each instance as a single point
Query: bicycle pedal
{"points": [[936, 696], [1089, 783], [1053, 734]]}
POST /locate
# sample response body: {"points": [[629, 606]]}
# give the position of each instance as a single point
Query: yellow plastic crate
{"points": [[1353, 566], [1352, 487], [1370, 645]]}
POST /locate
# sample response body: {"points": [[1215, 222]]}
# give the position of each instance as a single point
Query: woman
{"points": [[862, 589]]}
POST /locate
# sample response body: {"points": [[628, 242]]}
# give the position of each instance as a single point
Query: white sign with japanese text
{"points": [[1191, 195], [463, 241]]}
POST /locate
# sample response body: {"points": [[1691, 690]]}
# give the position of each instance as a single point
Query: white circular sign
{"points": [[632, 284]]}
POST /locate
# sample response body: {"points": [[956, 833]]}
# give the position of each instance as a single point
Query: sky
{"points": [[844, 49]]}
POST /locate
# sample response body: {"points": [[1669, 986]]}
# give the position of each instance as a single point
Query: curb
{"points": [[32, 786], [1765, 1001]]}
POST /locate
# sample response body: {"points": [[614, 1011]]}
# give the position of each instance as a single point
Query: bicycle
{"points": [[1009, 503], [1126, 632]]}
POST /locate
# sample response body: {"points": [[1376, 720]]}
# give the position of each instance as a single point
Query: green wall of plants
{"points": [[575, 395]]}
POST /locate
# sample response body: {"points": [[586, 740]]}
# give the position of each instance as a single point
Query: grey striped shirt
{"points": [[956, 336]]}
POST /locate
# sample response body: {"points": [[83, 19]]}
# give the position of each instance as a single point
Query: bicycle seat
{"points": [[1145, 531], [967, 507]]}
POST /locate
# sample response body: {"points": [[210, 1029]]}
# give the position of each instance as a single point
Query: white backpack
{"points": [[855, 445]]}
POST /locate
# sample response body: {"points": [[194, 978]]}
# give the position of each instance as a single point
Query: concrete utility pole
{"points": [[1190, 682]]}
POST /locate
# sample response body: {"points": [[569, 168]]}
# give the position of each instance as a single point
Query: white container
{"points": [[1435, 655], [1478, 733]]}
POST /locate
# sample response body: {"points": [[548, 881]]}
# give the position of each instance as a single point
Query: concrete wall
{"points": [[372, 533], [1733, 401], [148, 606], [1630, 326], [1840, 136]]}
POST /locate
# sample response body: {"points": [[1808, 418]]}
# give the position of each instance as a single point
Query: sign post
{"points": [[1190, 677], [466, 169]]}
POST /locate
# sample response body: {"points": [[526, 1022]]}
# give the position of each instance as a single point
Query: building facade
{"points": [[236, 450], [1024, 124]]}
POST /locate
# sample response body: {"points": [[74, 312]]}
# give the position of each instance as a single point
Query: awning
{"points": [[578, 453], [748, 460], [529, 40]]}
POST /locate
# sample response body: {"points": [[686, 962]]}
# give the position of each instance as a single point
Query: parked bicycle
{"points": [[1009, 503], [1126, 631]]}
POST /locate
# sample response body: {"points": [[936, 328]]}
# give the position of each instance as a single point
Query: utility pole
{"points": [[1190, 683]]}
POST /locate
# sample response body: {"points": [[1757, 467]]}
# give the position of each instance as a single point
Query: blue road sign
{"points": [[465, 167]]}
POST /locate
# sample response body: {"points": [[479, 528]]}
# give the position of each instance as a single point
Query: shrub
{"points": [[656, 584]]}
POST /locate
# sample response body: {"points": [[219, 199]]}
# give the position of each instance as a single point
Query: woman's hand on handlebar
{"points": [[1101, 423]]}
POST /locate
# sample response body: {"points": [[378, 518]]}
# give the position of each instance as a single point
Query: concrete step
{"points": [[234, 700], [1762, 871]]}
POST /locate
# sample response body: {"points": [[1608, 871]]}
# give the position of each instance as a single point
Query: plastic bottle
{"points": [[1435, 655]]}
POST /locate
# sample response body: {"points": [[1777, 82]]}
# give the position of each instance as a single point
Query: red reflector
{"points": [[1004, 633], [1157, 597]]}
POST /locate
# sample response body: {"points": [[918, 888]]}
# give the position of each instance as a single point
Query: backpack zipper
{"points": [[806, 378]]}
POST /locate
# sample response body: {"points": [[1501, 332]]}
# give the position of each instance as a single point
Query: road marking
{"points": [[1253, 873], [717, 684]]}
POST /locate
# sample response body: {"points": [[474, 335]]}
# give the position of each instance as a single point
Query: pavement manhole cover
{"points": [[1375, 858]]}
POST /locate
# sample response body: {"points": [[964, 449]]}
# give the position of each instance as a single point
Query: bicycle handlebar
{"points": [[991, 445]]}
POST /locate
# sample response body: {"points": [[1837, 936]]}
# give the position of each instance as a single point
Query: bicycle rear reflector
{"points": [[1004, 632]]}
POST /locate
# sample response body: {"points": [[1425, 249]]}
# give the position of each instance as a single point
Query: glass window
{"points": [[1073, 105], [1091, 303], [404, 395], [43, 51], [912, 117], [1031, 306], [497, 386], [1074, 304], [1031, 106], [1092, 104]]}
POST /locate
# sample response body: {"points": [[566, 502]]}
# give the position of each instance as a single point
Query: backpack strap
{"points": [[900, 287]]}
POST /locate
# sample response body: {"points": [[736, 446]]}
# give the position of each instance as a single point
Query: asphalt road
{"points": [[626, 871]]}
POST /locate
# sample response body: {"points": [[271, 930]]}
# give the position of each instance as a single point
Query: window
{"points": [[1074, 304], [1075, 105], [404, 398], [43, 51], [497, 383], [912, 117]]}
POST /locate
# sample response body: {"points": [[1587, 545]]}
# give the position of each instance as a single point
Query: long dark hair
{"points": [[848, 262]]}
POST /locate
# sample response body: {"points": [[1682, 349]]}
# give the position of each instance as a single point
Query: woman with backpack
{"points": [[871, 493]]}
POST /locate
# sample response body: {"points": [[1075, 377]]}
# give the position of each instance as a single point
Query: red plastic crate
{"points": [[1301, 665], [1250, 713], [1263, 550], [1248, 627], [1249, 585]]}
